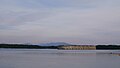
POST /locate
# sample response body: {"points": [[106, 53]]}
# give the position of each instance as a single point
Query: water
{"points": [[36, 58]]}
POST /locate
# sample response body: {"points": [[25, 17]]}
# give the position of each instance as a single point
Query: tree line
{"points": [[26, 46], [108, 47]]}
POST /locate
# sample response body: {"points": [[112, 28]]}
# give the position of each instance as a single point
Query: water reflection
{"points": [[57, 59]]}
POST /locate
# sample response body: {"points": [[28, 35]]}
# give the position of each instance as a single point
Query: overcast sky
{"points": [[72, 21]]}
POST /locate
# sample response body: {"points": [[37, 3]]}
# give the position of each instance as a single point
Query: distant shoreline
{"points": [[25, 46]]}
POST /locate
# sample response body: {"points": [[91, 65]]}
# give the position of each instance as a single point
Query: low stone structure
{"points": [[78, 47]]}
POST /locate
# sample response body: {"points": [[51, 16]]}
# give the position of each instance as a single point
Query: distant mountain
{"points": [[54, 44]]}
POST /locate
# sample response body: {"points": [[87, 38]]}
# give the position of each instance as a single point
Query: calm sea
{"points": [[37, 58]]}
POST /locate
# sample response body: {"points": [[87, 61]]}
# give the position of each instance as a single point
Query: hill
{"points": [[54, 44]]}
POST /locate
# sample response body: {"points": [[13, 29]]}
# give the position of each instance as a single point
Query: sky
{"points": [[71, 21]]}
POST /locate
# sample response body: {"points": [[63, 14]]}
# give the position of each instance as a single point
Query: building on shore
{"points": [[77, 47]]}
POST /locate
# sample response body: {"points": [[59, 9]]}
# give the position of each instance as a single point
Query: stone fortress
{"points": [[77, 47]]}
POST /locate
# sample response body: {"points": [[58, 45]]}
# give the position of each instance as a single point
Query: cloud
{"points": [[79, 21]]}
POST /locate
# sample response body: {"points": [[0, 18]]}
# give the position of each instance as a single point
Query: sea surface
{"points": [[45, 58]]}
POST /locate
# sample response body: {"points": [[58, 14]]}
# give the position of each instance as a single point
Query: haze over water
{"points": [[36, 58]]}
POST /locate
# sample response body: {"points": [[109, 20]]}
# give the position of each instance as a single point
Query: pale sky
{"points": [[71, 21]]}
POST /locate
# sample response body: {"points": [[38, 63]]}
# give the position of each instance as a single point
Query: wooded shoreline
{"points": [[27, 46]]}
